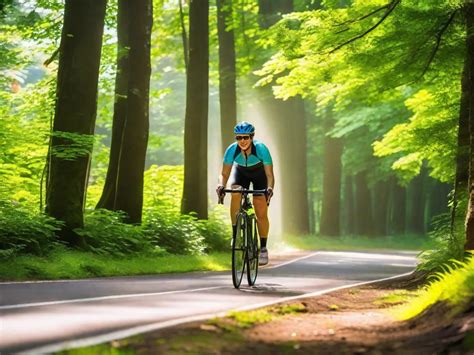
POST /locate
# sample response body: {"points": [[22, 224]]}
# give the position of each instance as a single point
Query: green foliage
{"points": [[449, 243], [105, 233], [24, 130], [71, 145], [176, 233], [429, 135], [362, 67], [181, 234], [23, 232], [454, 286]]}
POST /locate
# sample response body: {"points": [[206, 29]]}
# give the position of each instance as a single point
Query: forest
{"points": [[114, 117]]}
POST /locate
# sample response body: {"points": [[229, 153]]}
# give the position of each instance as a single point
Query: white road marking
{"points": [[91, 299], [121, 334], [291, 261]]}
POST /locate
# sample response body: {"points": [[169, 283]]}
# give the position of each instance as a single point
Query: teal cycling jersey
{"points": [[259, 154]]}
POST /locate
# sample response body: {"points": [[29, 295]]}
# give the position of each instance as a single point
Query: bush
{"points": [[217, 234], [24, 232], [450, 244], [178, 234], [106, 234]]}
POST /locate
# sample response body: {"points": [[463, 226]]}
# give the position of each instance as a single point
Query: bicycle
{"points": [[245, 243]]}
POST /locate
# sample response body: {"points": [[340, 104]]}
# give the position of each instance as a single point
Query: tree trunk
{"points": [[311, 212], [330, 212], [398, 208], [129, 191], [363, 215], [462, 154], [227, 76], [292, 158], [416, 204], [469, 13], [288, 123], [75, 113], [380, 207], [107, 200], [270, 11], [437, 200], [349, 205], [195, 131]]}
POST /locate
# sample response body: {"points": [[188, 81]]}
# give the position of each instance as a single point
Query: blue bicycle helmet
{"points": [[244, 128]]}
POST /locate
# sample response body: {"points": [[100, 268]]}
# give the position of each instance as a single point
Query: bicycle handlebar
{"points": [[244, 191]]}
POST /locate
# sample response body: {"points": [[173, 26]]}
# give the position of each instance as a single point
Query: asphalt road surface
{"points": [[54, 315]]}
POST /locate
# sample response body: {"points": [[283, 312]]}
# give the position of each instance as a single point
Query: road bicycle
{"points": [[245, 243]]}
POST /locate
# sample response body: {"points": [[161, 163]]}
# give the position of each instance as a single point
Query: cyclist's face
{"points": [[243, 140]]}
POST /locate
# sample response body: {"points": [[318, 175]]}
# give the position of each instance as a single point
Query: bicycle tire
{"points": [[252, 251], [239, 251]]}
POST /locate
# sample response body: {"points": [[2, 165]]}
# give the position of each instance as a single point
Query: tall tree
{"points": [[196, 117], [123, 189], [397, 207], [348, 205], [380, 207], [227, 75], [469, 15], [330, 211], [363, 208], [288, 124], [416, 203], [107, 199], [75, 113], [129, 191]]}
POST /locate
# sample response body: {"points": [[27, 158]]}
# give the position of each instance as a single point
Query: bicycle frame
{"points": [[244, 242]]}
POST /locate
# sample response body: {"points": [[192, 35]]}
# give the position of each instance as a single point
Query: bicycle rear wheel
{"points": [[252, 257], [239, 251]]}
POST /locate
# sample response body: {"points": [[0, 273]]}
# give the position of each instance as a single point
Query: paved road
{"points": [[47, 316]]}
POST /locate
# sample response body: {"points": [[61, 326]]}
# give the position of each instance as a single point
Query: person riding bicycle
{"points": [[249, 161]]}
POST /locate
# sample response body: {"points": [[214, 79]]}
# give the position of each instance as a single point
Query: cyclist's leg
{"points": [[234, 204], [259, 180], [261, 211]]}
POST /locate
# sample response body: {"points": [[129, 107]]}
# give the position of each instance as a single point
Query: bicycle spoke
{"points": [[239, 251], [252, 257]]}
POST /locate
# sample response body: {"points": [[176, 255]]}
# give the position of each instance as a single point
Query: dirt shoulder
{"points": [[350, 321]]}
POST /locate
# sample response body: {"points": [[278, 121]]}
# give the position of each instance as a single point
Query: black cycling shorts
{"points": [[243, 176]]}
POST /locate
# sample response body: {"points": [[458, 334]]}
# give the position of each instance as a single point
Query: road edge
{"points": [[125, 333]]}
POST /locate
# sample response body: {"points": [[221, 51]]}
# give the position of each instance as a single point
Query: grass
{"points": [[64, 264], [397, 297], [247, 319], [397, 242], [79, 265], [454, 287]]}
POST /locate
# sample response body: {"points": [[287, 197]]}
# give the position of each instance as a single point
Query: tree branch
{"points": [[390, 8], [438, 37], [53, 57], [365, 16]]}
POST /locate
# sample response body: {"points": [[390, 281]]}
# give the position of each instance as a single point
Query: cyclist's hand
{"points": [[269, 194], [220, 190]]}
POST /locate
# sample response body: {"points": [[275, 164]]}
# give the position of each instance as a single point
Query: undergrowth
{"points": [[67, 264], [453, 285]]}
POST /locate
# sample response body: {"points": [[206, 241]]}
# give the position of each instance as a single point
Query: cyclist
{"points": [[249, 161]]}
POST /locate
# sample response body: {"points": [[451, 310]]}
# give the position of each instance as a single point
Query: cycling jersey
{"points": [[259, 154]]}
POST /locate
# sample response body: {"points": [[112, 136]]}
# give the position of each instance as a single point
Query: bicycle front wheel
{"points": [[252, 257], [239, 251]]}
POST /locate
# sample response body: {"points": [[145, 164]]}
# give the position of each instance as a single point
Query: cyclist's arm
{"points": [[224, 176], [270, 176]]}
